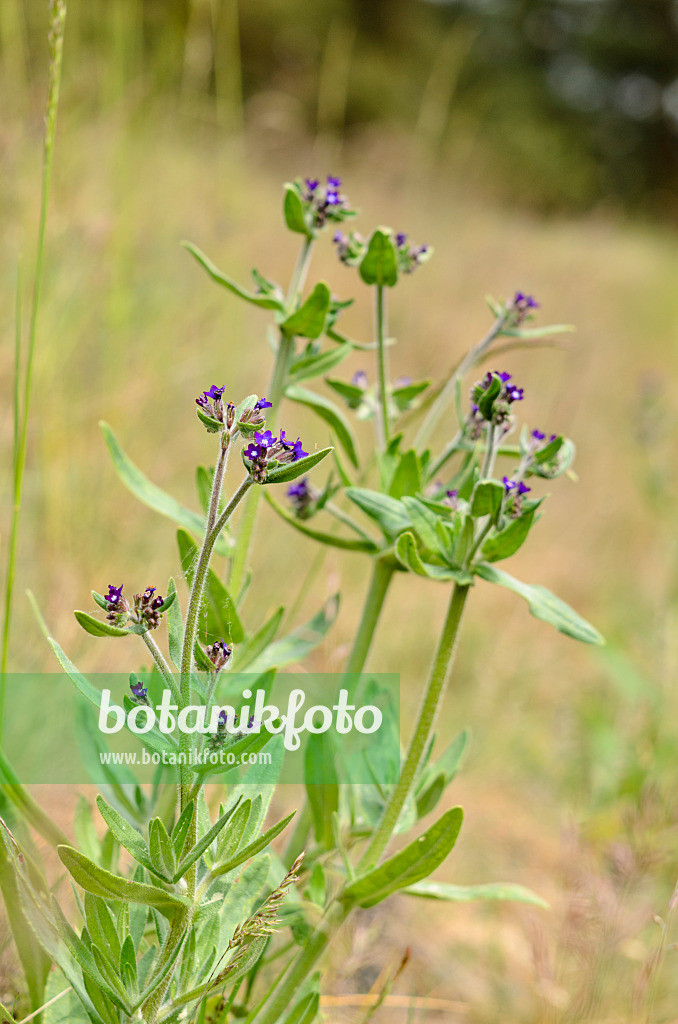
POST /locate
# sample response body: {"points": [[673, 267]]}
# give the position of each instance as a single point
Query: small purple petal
{"points": [[298, 450], [263, 403], [538, 435], [214, 392], [265, 438], [503, 376], [401, 239], [509, 485], [114, 593], [333, 183], [523, 488]]}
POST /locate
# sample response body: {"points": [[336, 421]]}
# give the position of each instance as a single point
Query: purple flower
{"points": [[523, 488], [263, 403], [223, 719], [452, 494], [333, 183], [255, 451], [514, 394], [522, 301], [359, 379], [298, 451], [265, 438], [509, 485], [312, 184], [214, 392], [138, 689], [114, 595], [299, 489], [333, 199], [401, 239], [402, 382], [503, 377], [538, 435]]}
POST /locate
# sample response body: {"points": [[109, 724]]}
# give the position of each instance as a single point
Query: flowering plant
{"points": [[187, 931]]}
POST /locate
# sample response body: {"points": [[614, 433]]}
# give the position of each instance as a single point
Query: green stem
{"points": [[382, 355], [57, 14], [382, 574], [472, 357], [190, 635], [422, 733], [175, 937], [163, 667], [275, 393]]}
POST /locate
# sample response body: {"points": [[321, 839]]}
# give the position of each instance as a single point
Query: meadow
{"points": [[572, 768]]}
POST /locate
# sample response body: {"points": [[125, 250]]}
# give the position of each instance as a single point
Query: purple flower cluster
{"points": [[326, 202], [145, 607], [212, 404], [266, 449], [303, 498], [219, 653], [498, 409], [522, 306], [410, 256], [139, 692]]}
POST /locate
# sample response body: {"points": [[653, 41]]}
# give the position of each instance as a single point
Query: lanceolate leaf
{"points": [[95, 627], [407, 555], [390, 513], [218, 276], [309, 366], [153, 496], [293, 211], [252, 849], [466, 893], [291, 470], [300, 642], [509, 540], [309, 319], [543, 605], [411, 865], [96, 880], [329, 412]]}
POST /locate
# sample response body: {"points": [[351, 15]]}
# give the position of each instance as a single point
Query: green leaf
{"points": [[466, 893], [405, 396], [425, 523], [180, 830], [202, 845], [161, 849], [218, 276], [309, 366], [203, 480], [508, 540], [305, 1011], [331, 539], [254, 645], [322, 786], [379, 265], [221, 616], [309, 319], [407, 554], [128, 966], [126, 834], [149, 494], [487, 498], [390, 513], [328, 412], [543, 605], [300, 642], [96, 880], [410, 865], [95, 627], [407, 476], [293, 212], [252, 849], [291, 470]]}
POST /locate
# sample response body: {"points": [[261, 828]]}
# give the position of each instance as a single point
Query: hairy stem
{"points": [[57, 15], [382, 357], [422, 733], [382, 574]]}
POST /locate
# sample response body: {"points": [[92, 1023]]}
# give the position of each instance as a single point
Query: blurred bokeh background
{"points": [[534, 143]]}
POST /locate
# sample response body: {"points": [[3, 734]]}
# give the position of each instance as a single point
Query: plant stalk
{"points": [[383, 423], [429, 710], [382, 574]]}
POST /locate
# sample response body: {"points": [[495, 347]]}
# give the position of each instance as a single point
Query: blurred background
{"points": [[535, 145]]}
